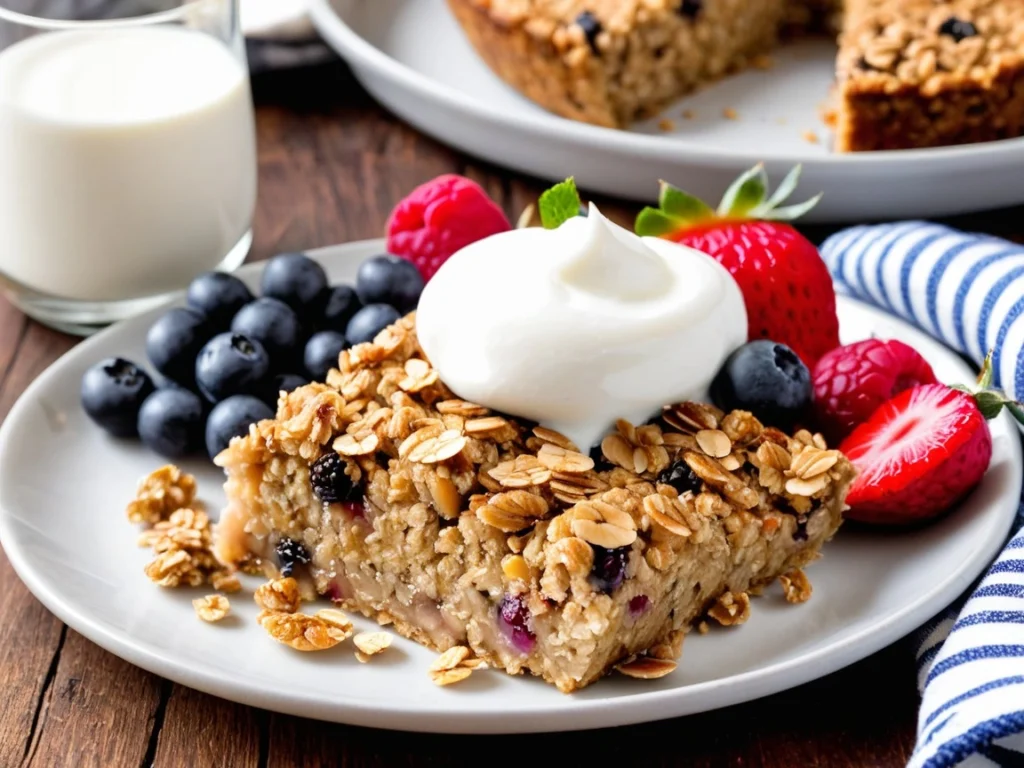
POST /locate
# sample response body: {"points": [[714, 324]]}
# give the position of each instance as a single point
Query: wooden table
{"points": [[332, 163]]}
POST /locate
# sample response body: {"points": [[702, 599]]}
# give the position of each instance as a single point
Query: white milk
{"points": [[127, 160]]}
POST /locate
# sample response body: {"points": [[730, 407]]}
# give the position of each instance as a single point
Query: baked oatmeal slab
{"points": [[928, 73], [459, 526]]}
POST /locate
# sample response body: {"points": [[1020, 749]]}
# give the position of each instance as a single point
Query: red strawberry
{"points": [[851, 382], [439, 218], [786, 287], [922, 451]]}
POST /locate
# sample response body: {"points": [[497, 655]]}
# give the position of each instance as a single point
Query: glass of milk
{"points": [[127, 153]]}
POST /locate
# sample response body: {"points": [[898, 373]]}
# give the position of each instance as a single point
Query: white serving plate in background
{"points": [[412, 56]]}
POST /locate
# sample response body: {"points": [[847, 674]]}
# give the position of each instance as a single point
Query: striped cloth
{"points": [[968, 291]]}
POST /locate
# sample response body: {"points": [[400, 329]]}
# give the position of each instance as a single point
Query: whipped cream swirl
{"points": [[581, 325]]}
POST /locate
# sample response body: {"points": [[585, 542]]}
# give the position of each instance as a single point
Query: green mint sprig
{"points": [[559, 204]]}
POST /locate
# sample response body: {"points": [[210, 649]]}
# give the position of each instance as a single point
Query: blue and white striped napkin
{"points": [[967, 291]]}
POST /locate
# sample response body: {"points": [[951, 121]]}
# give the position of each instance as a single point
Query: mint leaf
{"points": [[559, 204]]}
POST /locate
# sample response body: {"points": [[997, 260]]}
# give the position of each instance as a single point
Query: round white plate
{"points": [[64, 486], [412, 56]]}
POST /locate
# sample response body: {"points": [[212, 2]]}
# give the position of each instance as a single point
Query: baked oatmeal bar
{"points": [[460, 526], [910, 73], [610, 62], [927, 73]]}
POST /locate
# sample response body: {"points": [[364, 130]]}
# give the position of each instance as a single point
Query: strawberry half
{"points": [[786, 286], [922, 451]]}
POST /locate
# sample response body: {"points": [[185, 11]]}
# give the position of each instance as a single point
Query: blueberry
{"points": [[173, 342], [958, 29], [329, 482], [691, 8], [274, 325], [231, 364], [516, 622], [232, 418], [680, 477], [340, 303], [295, 279], [289, 554], [286, 382], [609, 569], [767, 379], [322, 352], [112, 393], [219, 296], [369, 321], [390, 280], [591, 27], [171, 422]]}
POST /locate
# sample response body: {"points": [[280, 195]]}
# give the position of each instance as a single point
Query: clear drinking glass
{"points": [[127, 153]]}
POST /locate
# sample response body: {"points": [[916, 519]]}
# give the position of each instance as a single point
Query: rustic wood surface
{"points": [[332, 164]]}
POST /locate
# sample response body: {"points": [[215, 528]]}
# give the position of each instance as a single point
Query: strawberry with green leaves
{"points": [[786, 287], [922, 451]]}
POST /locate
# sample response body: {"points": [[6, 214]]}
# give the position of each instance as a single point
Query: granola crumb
{"points": [[161, 493], [647, 668], [796, 586], [306, 633], [703, 628], [212, 607], [689, 114], [763, 62], [279, 595], [730, 114], [731, 610], [811, 137], [666, 125], [454, 666], [371, 643]]}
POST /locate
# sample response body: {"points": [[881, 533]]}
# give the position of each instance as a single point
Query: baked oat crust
{"points": [[468, 515]]}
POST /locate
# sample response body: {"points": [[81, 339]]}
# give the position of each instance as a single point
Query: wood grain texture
{"points": [[332, 164]]}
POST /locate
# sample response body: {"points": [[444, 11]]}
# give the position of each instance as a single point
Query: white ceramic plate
{"points": [[412, 56], [64, 486]]}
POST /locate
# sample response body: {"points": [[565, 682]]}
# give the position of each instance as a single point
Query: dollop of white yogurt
{"points": [[578, 326]]}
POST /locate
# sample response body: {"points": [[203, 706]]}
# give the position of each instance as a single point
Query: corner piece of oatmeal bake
{"points": [[460, 526]]}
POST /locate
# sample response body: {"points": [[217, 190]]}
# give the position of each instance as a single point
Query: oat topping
{"points": [[602, 524], [212, 607], [513, 511], [559, 459]]}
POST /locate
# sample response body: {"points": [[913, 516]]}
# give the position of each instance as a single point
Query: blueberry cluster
{"points": [[224, 358]]}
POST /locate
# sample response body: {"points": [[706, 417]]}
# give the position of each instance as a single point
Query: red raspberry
{"points": [[439, 218], [851, 382]]}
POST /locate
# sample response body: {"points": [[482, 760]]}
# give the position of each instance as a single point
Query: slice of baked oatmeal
{"points": [[460, 526], [928, 73]]}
